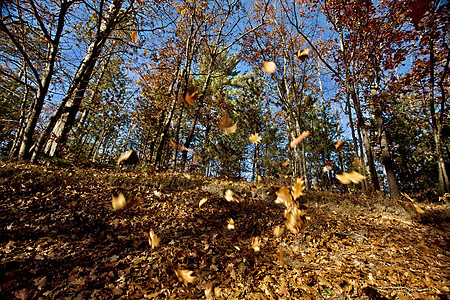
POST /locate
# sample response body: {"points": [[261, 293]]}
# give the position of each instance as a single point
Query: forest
{"points": [[224, 149]]}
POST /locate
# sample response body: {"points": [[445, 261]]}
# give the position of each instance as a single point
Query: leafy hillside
{"points": [[61, 238]]}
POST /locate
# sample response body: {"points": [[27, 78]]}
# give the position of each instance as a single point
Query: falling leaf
{"points": [[226, 126], [187, 176], [118, 202], [269, 67], [190, 98], [153, 239], [298, 188], [258, 179], [357, 163], [157, 193], [284, 197], [353, 176], [185, 276], [130, 157], [255, 138], [231, 196], [416, 207], [326, 169], [297, 140], [231, 129], [256, 244], [295, 219], [202, 202], [230, 224], [174, 145], [339, 145], [285, 164], [303, 54], [134, 37], [278, 231], [196, 159]]}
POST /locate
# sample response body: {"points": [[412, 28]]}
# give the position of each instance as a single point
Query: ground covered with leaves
{"points": [[62, 239]]}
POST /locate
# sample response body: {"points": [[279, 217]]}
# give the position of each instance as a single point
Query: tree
{"points": [[63, 118], [35, 17]]}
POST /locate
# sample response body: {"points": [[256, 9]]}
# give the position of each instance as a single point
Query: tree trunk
{"points": [[176, 137], [63, 118], [437, 120], [365, 136], [386, 158], [42, 80], [14, 151], [356, 142]]}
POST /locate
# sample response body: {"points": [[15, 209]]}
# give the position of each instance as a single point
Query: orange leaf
{"points": [[134, 36], [269, 67], [191, 98], [300, 138], [284, 197], [357, 163], [185, 276], [339, 145], [353, 176]]}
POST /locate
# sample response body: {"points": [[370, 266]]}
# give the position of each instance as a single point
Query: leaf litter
{"points": [[61, 239]]}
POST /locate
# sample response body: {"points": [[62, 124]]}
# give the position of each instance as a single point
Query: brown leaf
{"points": [[196, 159], [185, 276], [326, 169], [357, 163], [229, 130], [300, 138], [174, 145], [353, 176], [118, 202], [130, 157], [339, 145], [190, 98], [303, 54], [231, 196], [230, 224], [256, 244], [278, 231], [284, 197], [269, 67], [153, 239], [298, 188], [226, 126], [255, 138], [295, 219]]}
